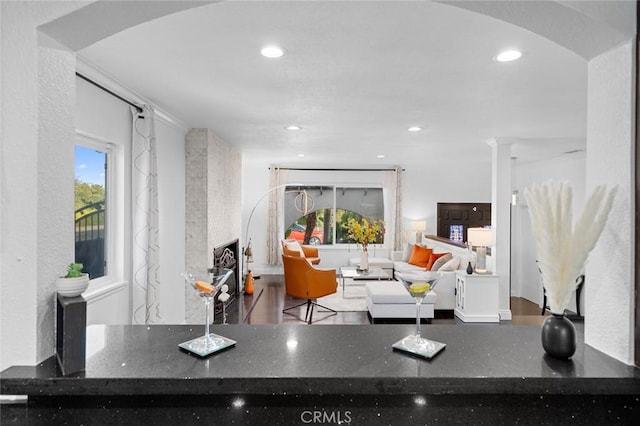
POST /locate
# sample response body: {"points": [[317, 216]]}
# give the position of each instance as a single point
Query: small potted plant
{"points": [[74, 283]]}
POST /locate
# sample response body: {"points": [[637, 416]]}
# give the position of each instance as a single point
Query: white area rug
{"points": [[338, 303]]}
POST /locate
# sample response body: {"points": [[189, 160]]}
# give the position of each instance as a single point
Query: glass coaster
{"points": [[205, 346], [426, 349]]}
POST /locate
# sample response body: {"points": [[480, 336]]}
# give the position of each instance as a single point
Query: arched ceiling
{"points": [[355, 75]]}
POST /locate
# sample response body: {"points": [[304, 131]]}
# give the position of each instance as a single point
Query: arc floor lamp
{"points": [[247, 251]]}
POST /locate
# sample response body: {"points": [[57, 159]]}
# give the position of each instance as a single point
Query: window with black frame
{"points": [[317, 215]]}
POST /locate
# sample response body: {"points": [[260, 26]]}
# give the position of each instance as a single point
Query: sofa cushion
{"points": [[406, 267], [451, 265], [441, 261], [406, 254], [433, 258], [293, 245], [420, 256], [294, 253]]}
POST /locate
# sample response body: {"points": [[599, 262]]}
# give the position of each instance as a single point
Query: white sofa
{"points": [[445, 288]]}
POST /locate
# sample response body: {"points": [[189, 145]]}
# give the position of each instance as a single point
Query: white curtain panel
{"points": [[275, 214], [393, 188], [146, 249]]}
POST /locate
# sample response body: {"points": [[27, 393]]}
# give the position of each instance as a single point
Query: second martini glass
{"points": [[418, 290]]}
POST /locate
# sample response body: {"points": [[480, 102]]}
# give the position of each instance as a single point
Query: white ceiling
{"points": [[355, 76]]}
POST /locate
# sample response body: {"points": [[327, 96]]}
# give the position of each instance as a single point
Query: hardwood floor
{"points": [[269, 299]]}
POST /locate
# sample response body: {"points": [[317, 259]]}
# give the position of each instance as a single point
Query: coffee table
{"points": [[355, 276]]}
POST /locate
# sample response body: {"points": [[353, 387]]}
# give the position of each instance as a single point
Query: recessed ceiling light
{"points": [[508, 56], [272, 52], [300, 155], [414, 129], [293, 127], [380, 155]]}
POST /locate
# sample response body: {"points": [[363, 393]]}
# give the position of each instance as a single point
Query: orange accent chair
{"points": [[308, 252], [303, 281]]}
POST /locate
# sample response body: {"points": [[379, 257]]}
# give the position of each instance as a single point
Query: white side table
{"points": [[476, 297]]}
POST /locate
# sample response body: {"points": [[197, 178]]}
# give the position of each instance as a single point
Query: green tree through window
{"points": [[90, 210], [332, 207]]}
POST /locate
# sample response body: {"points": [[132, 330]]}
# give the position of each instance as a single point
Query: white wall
{"points": [[107, 118], [423, 188], [611, 153], [36, 192], [525, 280], [442, 180]]}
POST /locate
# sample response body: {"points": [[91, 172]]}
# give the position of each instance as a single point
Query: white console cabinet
{"points": [[476, 297]]}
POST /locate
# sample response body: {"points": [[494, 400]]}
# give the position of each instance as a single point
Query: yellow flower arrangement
{"points": [[365, 232]]}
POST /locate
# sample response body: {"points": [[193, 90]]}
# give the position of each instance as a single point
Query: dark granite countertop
{"points": [[323, 360]]}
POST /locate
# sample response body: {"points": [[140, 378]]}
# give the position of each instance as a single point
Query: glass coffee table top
{"points": [[373, 273], [353, 276]]}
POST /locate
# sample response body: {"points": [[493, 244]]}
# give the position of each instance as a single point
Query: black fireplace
{"points": [[228, 256]]}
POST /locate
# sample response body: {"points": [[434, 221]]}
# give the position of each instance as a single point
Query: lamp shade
{"points": [[480, 237], [418, 225]]}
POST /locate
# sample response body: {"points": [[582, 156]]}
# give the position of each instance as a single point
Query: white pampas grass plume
{"points": [[562, 249]]}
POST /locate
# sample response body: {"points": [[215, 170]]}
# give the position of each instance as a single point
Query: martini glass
{"points": [[418, 290], [207, 289]]}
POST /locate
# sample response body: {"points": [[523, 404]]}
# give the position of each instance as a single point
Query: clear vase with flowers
{"points": [[364, 233]]}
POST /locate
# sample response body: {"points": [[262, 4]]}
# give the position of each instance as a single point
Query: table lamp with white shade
{"points": [[416, 227], [481, 238]]}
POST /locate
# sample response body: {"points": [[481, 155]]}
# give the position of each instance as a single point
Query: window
{"points": [[91, 209], [101, 238], [327, 209]]}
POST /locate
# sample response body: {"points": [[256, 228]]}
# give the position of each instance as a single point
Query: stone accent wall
{"points": [[212, 214]]}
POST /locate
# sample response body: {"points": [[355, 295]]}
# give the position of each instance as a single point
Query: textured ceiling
{"points": [[355, 76]]}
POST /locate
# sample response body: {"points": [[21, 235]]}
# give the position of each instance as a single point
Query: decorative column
{"points": [[501, 219]]}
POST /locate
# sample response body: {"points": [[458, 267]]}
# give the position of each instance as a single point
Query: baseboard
{"points": [[505, 314], [443, 314], [396, 320]]}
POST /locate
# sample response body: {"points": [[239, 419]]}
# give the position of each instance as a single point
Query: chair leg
{"points": [[309, 309], [286, 311], [313, 304], [308, 317], [328, 309], [578, 291]]}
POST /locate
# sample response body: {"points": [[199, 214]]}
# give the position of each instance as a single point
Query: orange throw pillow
{"points": [[420, 256], [433, 258]]}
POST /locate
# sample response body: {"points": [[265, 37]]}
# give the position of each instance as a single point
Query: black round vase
{"points": [[559, 336], [469, 269]]}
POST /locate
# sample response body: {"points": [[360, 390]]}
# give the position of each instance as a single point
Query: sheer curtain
{"points": [[146, 249], [275, 214], [392, 185]]}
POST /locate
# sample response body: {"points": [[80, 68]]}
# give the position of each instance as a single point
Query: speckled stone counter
{"points": [[331, 372]]}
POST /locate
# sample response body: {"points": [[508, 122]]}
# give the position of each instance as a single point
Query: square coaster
{"points": [[427, 351], [198, 346]]}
